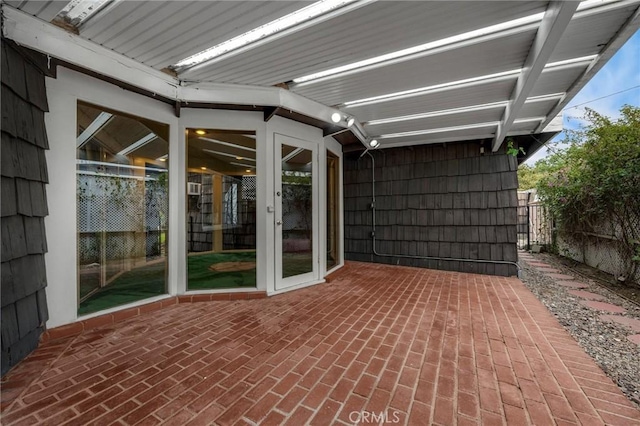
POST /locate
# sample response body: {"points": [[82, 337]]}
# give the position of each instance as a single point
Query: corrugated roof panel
{"points": [[588, 35], [456, 98], [483, 59], [494, 114], [45, 10], [457, 135], [555, 81], [367, 32], [160, 38], [523, 128], [537, 109]]}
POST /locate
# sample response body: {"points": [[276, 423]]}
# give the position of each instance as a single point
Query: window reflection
{"points": [[221, 209], [122, 208]]}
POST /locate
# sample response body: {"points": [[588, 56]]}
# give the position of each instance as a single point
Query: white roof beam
{"points": [[628, 29], [553, 25]]}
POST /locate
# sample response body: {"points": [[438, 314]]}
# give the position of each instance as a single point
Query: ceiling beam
{"points": [[628, 29], [555, 22]]}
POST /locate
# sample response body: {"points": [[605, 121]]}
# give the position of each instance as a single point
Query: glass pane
{"points": [[297, 211], [221, 209], [332, 209], [122, 208]]}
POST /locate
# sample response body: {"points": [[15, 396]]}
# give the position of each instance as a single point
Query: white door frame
{"points": [[309, 277]]}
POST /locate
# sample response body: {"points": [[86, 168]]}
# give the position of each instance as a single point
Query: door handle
{"points": [[278, 222]]}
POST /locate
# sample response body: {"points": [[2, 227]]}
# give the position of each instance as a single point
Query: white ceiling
{"points": [[161, 33]]}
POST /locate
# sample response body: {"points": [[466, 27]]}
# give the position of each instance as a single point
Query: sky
{"points": [[622, 72]]}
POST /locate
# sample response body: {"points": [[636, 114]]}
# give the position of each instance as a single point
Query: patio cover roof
{"points": [[409, 72]]}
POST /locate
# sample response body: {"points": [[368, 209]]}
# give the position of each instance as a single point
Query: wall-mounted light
{"points": [[373, 143], [349, 120], [336, 117]]}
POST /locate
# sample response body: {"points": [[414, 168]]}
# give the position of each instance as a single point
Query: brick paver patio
{"points": [[414, 346]]}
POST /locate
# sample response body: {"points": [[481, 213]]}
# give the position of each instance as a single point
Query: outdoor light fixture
{"points": [[440, 130], [96, 125], [373, 143], [233, 145], [211, 151], [438, 46], [544, 98], [243, 165], [138, 144], [336, 117], [529, 119], [279, 25], [570, 63], [78, 12], [201, 132], [350, 120], [458, 84], [452, 111]]}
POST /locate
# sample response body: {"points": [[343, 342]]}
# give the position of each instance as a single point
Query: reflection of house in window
{"points": [[122, 208], [221, 217]]}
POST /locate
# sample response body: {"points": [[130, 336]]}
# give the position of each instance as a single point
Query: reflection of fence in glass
{"points": [[121, 205]]}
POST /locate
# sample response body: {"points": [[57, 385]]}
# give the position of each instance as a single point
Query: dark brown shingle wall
{"points": [[24, 205], [434, 200]]}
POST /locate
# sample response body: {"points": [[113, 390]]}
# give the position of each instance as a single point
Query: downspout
{"points": [[405, 256]]}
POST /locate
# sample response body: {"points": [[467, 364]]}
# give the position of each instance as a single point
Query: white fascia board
{"points": [[43, 37], [234, 94], [626, 31], [553, 25]]}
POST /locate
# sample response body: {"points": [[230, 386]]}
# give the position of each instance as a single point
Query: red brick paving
{"points": [[632, 323], [635, 338], [421, 346]]}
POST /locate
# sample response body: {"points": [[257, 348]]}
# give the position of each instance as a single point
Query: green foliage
{"points": [[513, 151], [596, 180], [528, 176]]}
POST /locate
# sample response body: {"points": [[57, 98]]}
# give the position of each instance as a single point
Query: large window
{"points": [[122, 208], [221, 209]]}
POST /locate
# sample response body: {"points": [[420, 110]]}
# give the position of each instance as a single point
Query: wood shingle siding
{"points": [[24, 203], [436, 201]]}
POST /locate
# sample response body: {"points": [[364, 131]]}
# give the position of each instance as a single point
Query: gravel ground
{"points": [[606, 342]]}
